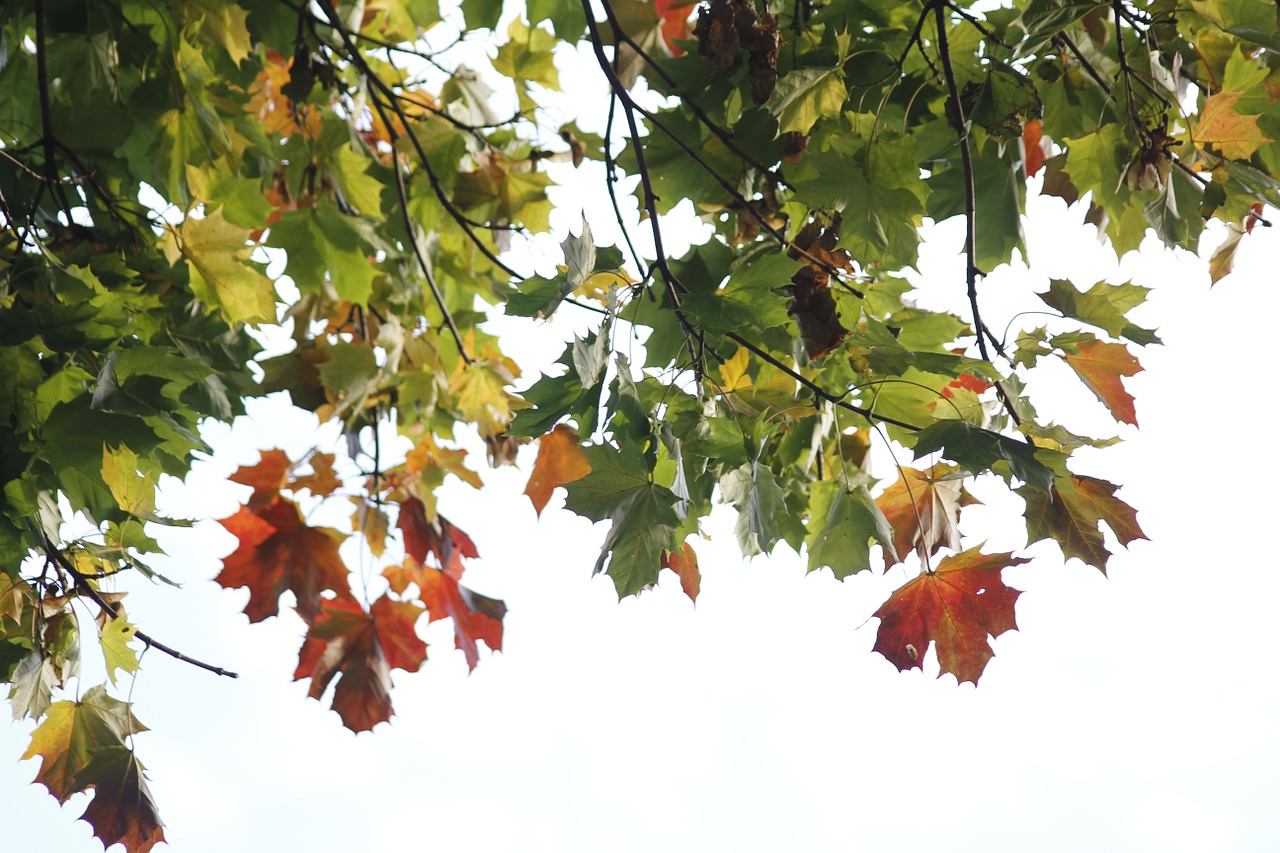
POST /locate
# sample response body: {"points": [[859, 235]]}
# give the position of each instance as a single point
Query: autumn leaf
{"points": [[684, 563], [1234, 135], [957, 607], [1070, 514], [1101, 365], [115, 637], [72, 732], [267, 478], [923, 508], [323, 479], [475, 617], [222, 272], [371, 520], [361, 648], [1033, 151], [439, 538], [121, 811], [278, 552], [560, 460]]}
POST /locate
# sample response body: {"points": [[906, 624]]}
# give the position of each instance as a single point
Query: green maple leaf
{"points": [[977, 450], [1102, 305], [842, 523], [803, 96], [527, 55], [642, 513], [761, 504]]}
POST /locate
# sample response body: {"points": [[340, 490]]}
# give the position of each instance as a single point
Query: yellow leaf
{"points": [[134, 492], [221, 274], [1234, 135], [733, 373]]}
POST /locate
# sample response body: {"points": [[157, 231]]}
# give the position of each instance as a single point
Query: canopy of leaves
{"points": [[179, 179]]}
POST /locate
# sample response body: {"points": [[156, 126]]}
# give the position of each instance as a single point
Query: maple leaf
{"points": [[475, 617], [323, 479], [371, 520], [684, 563], [121, 811], [279, 552], [72, 732], [267, 478], [222, 273], [560, 460], [956, 607], [1236, 136], [362, 648], [1101, 365], [842, 523], [1070, 514], [441, 538], [923, 508], [1033, 151]]}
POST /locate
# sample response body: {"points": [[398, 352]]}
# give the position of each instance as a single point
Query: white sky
{"points": [[1132, 713]]}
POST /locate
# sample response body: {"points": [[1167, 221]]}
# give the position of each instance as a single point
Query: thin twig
{"points": [[971, 272], [381, 85], [720, 133], [818, 390], [112, 611]]}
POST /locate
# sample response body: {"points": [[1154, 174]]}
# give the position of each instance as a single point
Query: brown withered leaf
{"points": [[812, 304]]}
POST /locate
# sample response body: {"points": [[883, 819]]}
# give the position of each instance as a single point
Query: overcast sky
{"points": [[1129, 713]]}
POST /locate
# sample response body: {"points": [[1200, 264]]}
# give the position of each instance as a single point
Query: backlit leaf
{"points": [[1102, 365], [560, 460], [956, 607]]}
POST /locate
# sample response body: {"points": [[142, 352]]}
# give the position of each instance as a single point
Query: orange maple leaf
{"points": [[267, 478], [674, 17], [1101, 365], [475, 616], [1033, 153], [363, 647], [279, 552], [956, 607], [923, 508], [685, 564], [323, 480], [560, 460]]}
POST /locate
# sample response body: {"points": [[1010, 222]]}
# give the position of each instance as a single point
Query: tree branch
{"points": [[83, 585]]}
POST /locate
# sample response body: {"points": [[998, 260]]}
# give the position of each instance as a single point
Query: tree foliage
{"points": [[177, 178]]}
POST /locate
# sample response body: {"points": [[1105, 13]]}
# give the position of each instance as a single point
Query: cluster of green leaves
{"points": [[155, 156]]}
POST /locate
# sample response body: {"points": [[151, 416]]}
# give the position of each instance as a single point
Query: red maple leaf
{"points": [[441, 538], [267, 478], [279, 552], [363, 647], [475, 616], [956, 606]]}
